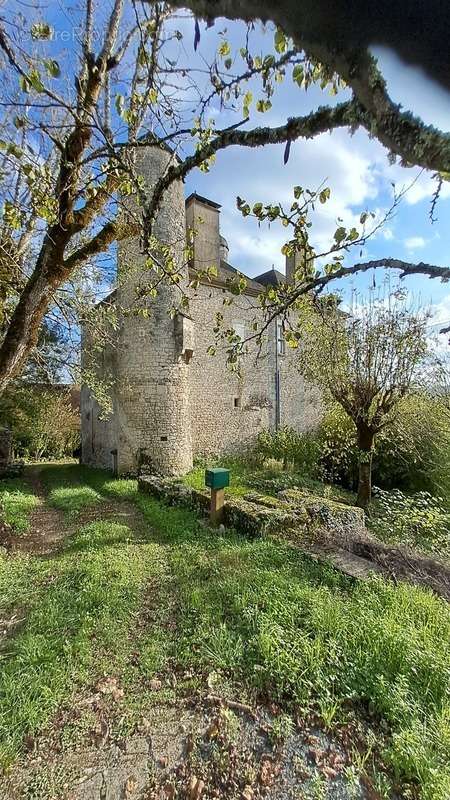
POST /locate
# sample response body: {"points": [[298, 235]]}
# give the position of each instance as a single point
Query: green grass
{"points": [[245, 477], [72, 488], [272, 622], [16, 503], [303, 634], [78, 617]]}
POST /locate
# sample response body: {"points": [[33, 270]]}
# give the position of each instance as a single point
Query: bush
{"points": [[411, 453], [292, 448], [338, 451], [418, 520], [42, 420]]}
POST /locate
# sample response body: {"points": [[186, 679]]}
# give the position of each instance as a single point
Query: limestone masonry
{"points": [[171, 400]]}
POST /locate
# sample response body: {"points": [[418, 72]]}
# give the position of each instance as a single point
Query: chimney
{"points": [[293, 262], [202, 216]]}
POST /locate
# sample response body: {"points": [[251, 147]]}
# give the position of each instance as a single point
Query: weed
{"points": [[282, 728]]}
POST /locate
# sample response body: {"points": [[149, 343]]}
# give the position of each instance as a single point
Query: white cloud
{"points": [[415, 242], [260, 176]]}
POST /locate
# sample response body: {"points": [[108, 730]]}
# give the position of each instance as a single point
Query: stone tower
{"points": [[152, 404], [292, 264]]}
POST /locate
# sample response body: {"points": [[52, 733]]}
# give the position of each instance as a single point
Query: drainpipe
{"points": [[277, 380]]}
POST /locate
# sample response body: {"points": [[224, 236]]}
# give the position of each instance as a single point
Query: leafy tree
{"points": [[367, 362], [42, 419], [410, 452], [73, 119]]}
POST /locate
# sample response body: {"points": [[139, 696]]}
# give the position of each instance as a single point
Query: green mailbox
{"points": [[217, 478]]}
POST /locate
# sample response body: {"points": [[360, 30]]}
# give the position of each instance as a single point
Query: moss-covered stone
{"points": [[321, 513], [255, 519], [259, 515], [173, 492]]}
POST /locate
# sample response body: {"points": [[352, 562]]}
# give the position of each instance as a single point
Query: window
{"points": [[281, 343], [237, 402], [239, 329]]}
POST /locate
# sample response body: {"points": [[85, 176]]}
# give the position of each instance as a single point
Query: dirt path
{"points": [[47, 527]]}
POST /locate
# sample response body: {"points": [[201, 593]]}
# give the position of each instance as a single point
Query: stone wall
{"points": [[203, 218], [98, 430], [227, 410], [170, 398], [152, 398]]}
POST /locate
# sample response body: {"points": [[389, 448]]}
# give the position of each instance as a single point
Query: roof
{"points": [[228, 272], [205, 200], [273, 277]]}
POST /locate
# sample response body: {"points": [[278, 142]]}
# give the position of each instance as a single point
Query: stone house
{"points": [[171, 400]]}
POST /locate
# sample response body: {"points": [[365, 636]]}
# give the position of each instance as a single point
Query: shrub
{"points": [[42, 420], [418, 520], [411, 453], [292, 448]]}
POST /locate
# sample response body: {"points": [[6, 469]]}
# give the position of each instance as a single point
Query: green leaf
{"points": [[224, 49], [298, 74], [34, 81], [263, 105], [248, 97], [41, 30], [340, 234], [280, 41], [52, 67], [120, 104]]}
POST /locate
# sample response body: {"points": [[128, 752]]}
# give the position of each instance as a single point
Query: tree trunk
{"points": [[365, 439]]}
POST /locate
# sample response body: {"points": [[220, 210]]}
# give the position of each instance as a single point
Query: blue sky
{"points": [[355, 168]]}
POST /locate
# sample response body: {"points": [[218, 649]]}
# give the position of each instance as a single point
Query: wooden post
{"points": [[216, 507], [217, 479]]}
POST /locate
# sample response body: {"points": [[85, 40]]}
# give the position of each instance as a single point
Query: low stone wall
{"points": [[339, 520], [252, 515], [174, 492], [314, 524], [259, 515]]}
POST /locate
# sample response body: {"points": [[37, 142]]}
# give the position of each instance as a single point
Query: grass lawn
{"points": [[16, 503], [268, 622]]}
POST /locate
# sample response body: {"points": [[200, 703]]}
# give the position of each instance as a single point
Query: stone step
{"points": [[346, 562]]}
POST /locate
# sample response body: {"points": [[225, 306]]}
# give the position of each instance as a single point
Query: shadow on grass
{"points": [[269, 618]]}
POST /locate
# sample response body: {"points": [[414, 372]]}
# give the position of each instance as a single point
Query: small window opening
{"points": [[164, 438], [237, 402], [239, 329], [281, 342]]}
